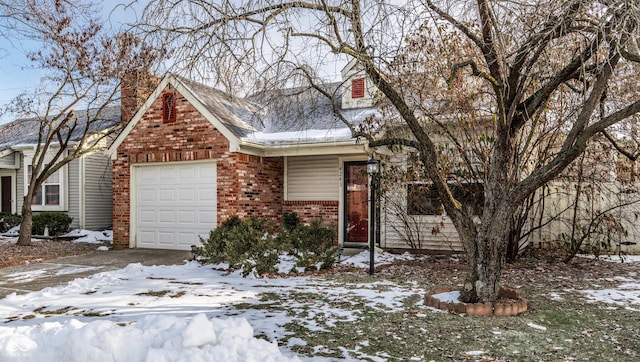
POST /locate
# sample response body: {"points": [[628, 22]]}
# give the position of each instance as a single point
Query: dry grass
{"points": [[40, 250]]}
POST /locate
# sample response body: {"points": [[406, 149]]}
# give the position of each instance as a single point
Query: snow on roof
{"points": [[302, 136], [281, 116]]}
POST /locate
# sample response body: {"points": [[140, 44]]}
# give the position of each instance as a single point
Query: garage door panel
{"points": [[167, 217], [166, 238], [188, 239], [147, 195], [207, 193], [167, 173], [166, 194], [176, 204], [147, 216], [187, 217], [187, 194], [188, 173], [207, 218]]}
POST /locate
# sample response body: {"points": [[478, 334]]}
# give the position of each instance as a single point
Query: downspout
{"points": [[81, 192]]}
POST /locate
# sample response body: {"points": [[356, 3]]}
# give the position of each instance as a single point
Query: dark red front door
{"points": [[5, 186], [356, 194]]}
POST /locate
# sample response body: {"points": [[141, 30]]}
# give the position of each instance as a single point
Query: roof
{"points": [[269, 119], [282, 116], [25, 131]]}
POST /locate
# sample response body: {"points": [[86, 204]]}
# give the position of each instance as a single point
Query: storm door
{"points": [[356, 193]]}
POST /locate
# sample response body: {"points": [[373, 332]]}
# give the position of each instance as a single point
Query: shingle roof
{"points": [[280, 116], [25, 131]]}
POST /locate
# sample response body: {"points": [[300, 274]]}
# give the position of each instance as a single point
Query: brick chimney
{"points": [[135, 88]]}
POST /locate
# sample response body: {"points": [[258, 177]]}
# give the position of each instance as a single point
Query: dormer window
{"points": [[357, 88], [168, 107]]}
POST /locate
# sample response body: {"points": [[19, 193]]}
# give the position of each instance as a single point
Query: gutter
{"points": [[301, 148]]}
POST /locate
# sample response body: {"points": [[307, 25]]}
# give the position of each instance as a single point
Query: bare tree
{"points": [[530, 63], [72, 113]]}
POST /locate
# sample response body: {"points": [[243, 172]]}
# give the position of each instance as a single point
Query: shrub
{"points": [[313, 245], [252, 245], [58, 223], [9, 221], [243, 244], [290, 220]]}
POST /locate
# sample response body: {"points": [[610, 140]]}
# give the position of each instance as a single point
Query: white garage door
{"points": [[175, 204]]}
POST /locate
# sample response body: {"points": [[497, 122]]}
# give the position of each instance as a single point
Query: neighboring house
{"points": [[81, 188], [193, 156]]}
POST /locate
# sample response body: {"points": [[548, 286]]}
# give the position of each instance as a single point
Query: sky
{"points": [[188, 313], [15, 73], [16, 76]]}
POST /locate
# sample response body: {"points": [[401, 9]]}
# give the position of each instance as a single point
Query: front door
{"points": [[356, 193], [5, 192]]}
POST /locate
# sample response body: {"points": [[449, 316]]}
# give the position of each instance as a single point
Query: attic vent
{"points": [[168, 107], [357, 88]]}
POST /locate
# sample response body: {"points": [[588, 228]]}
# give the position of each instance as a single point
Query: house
{"points": [[81, 188], [193, 156]]}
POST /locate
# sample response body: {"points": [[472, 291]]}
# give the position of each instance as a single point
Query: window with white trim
{"points": [[50, 196]]}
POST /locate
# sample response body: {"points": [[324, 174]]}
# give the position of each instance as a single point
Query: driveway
{"points": [[37, 276]]}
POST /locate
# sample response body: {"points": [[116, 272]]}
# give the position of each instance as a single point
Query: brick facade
{"points": [[246, 185], [312, 210]]}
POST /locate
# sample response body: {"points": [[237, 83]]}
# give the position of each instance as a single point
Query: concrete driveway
{"points": [[28, 278]]}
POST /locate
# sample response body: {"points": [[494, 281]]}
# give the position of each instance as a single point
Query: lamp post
{"points": [[372, 170]]}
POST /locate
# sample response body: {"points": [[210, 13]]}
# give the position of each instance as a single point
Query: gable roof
{"points": [[25, 131], [278, 118]]}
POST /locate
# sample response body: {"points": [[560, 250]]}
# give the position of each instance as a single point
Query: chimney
{"points": [[135, 88]]}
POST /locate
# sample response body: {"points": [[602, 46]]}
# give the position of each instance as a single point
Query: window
{"points": [[422, 198], [168, 107], [48, 194], [357, 88]]}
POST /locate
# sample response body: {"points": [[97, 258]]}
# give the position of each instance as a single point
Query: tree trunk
{"points": [[24, 238], [485, 265]]}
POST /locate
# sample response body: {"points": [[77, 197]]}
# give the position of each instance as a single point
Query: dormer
{"points": [[357, 88]]}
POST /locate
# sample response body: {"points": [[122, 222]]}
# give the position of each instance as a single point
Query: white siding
{"points": [[559, 199], [313, 178], [98, 201], [426, 232]]}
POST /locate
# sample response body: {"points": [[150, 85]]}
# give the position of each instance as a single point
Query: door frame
{"points": [[342, 207], [14, 193]]}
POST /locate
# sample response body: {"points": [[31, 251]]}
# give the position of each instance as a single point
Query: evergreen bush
{"points": [[254, 246], [9, 221], [57, 222]]}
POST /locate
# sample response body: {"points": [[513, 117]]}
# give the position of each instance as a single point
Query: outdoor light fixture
{"points": [[372, 170], [372, 166]]}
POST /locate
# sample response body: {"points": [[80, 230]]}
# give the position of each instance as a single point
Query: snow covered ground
{"points": [[195, 313], [169, 313]]}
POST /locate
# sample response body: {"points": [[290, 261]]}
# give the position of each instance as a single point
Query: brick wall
{"points": [[312, 210], [247, 185]]}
